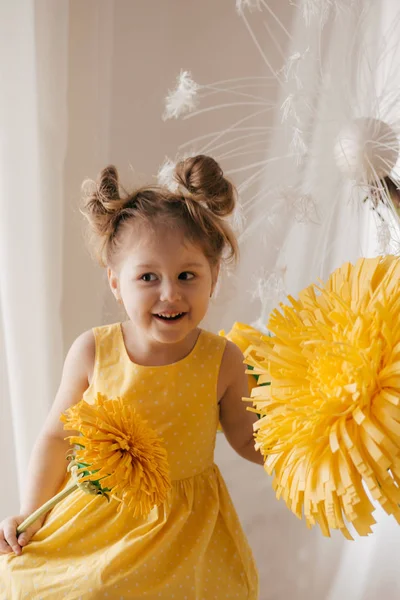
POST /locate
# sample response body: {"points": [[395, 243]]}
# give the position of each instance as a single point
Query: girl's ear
{"points": [[214, 278], [114, 284]]}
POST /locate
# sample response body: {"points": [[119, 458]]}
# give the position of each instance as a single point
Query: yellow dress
{"points": [[190, 548]]}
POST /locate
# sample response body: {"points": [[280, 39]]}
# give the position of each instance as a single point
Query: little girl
{"points": [[162, 251]]}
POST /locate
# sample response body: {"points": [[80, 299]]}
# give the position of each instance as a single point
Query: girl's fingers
{"points": [[10, 536], [4, 547], [24, 538]]}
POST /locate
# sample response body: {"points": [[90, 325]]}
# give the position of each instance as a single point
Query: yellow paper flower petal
{"points": [[331, 417], [121, 450], [243, 336]]}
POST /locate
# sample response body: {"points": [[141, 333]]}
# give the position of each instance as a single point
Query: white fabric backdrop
{"points": [[33, 75], [82, 85]]}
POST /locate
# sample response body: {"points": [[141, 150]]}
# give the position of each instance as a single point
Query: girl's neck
{"points": [[150, 353]]}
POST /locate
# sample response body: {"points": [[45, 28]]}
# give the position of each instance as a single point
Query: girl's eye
{"points": [[186, 275], [148, 277]]}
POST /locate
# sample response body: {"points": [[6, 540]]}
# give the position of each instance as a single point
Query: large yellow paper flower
{"points": [[119, 451], [331, 416]]}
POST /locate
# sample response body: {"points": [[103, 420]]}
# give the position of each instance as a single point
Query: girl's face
{"points": [[164, 282]]}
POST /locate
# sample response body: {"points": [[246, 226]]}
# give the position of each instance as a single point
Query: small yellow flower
{"points": [[330, 423], [116, 454], [120, 452]]}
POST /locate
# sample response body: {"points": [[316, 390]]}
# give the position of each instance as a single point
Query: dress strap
{"points": [[108, 345]]}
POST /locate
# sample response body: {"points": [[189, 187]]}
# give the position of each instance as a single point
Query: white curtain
{"points": [[33, 74], [82, 84]]}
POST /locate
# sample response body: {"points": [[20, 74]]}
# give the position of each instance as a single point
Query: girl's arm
{"points": [[48, 463], [236, 420]]}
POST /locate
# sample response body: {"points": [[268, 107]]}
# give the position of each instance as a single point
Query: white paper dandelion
{"points": [[183, 98], [166, 175]]}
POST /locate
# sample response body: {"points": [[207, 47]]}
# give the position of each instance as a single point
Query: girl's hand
{"points": [[8, 534]]}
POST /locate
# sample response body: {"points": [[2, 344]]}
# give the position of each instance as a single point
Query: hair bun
{"points": [[102, 203], [103, 197], [108, 186], [204, 180]]}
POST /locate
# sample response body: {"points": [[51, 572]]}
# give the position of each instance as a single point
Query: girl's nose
{"points": [[169, 291]]}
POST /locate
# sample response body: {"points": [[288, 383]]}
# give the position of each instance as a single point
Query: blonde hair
{"points": [[199, 206]]}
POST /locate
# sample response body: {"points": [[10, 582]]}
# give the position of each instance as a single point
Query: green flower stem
{"points": [[42, 510]]}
